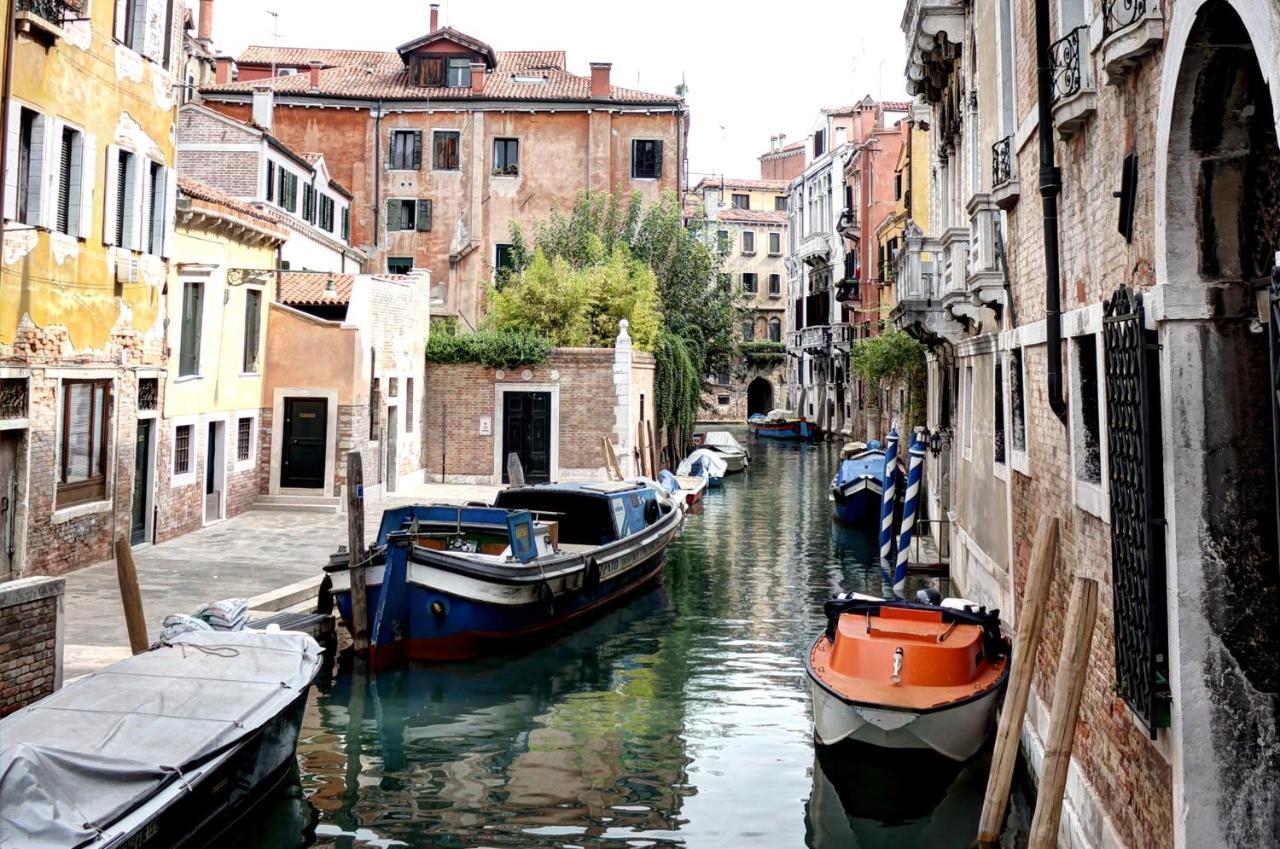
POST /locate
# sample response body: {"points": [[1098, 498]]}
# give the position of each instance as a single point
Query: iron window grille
{"points": [[54, 11], [1121, 14], [244, 438], [148, 393], [1002, 161], [1137, 509], [13, 398], [182, 449], [1066, 55]]}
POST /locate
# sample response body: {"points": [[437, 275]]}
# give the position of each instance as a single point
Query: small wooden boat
{"points": [[704, 463], [721, 442], [907, 675], [782, 424], [452, 582], [167, 748], [857, 486]]}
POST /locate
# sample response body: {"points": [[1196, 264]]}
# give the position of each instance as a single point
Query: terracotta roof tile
{"points": [[210, 196], [256, 54], [311, 288], [752, 216], [742, 183]]}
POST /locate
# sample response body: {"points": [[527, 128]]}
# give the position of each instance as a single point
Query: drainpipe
{"points": [[6, 86], [1050, 187], [377, 172]]}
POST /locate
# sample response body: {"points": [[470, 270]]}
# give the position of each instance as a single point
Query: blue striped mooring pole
{"points": [[887, 496], [915, 471]]}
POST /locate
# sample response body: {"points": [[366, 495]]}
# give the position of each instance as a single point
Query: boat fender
{"points": [[591, 579], [928, 595], [650, 512], [547, 598]]}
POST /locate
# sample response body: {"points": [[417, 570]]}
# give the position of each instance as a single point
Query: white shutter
{"points": [[89, 160], [170, 210], [153, 43], [141, 176], [122, 19], [52, 171], [109, 195], [11, 160], [36, 177]]}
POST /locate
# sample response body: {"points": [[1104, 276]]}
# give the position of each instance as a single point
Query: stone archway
{"points": [[759, 396], [1221, 227]]}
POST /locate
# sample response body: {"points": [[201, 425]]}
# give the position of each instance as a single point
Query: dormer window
{"points": [[459, 73]]}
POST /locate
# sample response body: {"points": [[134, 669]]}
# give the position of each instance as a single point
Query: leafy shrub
{"points": [[493, 348]]}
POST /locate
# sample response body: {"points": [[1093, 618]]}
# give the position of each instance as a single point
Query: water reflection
{"points": [[682, 719]]}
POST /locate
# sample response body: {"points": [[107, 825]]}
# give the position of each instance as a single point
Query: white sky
{"points": [[754, 68]]}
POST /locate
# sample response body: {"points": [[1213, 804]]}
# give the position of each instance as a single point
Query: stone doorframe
{"points": [[501, 389], [277, 439]]}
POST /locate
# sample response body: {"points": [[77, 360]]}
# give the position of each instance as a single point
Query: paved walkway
{"points": [[248, 555]]}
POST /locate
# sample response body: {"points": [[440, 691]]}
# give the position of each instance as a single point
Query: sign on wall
{"points": [[486, 425]]}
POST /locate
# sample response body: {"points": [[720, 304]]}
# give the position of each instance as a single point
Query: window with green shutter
{"points": [[252, 329], [189, 341]]}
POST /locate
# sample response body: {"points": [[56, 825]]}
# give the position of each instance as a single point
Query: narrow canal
{"points": [[682, 719]]}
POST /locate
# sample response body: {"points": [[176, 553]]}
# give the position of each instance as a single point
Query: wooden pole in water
{"points": [[644, 451], [653, 450], [610, 459], [1068, 687], [131, 596], [1044, 554], [356, 553]]}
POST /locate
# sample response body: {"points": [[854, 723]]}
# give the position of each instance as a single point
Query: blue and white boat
{"points": [[704, 463], [449, 582], [857, 486]]}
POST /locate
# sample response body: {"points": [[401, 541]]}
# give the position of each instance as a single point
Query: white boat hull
{"points": [[956, 732]]}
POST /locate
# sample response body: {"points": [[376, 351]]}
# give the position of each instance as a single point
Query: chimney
{"points": [[206, 20], [222, 70], [315, 75], [435, 17], [477, 78], [263, 105], [600, 79], [773, 144], [782, 140]]}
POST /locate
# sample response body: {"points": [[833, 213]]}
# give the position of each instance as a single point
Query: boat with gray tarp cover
{"points": [[161, 749]]}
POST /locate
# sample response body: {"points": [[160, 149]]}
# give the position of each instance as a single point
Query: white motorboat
{"points": [[735, 456]]}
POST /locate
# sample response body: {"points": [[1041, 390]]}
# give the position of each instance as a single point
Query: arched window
{"points": [[775, 330], [748, 331]]}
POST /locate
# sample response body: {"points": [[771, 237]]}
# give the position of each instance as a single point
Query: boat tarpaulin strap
{"points": [[75, 762]]}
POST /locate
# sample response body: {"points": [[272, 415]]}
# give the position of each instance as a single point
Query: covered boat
{"points": [[166, 748], [452, 582], [704, 463], [907, 675], [736, 458], [857, 486], [782, 424]]}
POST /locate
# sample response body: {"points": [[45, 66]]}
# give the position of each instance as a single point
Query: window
{"points": [[189, 341], [143, 26], [775, 330], [408, 214], [459, 73], [444, 155], [406, 150], [722, 241], [748, 242], [999, 412], [155, 207], [1086, 422], [968, 412], [121, 233], [182, 464], [775, 284], [646, 159], [506, 157], [775, 244], [70, 176], [722, 400], [346, 224], [244, 438], [503, 258], [780, 204], [82, 476], [375, 398], [723, 378], [399, 264], [819, 143], [1017, 412], [748, 331], [430, 70], [897, 186], [308, 203], [408, 405], [749, 282], [252, 329], [741, 201], [287, 189], [271, 180], [326, 213]]}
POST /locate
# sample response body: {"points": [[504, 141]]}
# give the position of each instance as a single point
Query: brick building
{"points": [[1148, 432], [445, 142], [782, 161], [746, 222]]}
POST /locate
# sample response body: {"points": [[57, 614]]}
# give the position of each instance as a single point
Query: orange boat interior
{"points": [[942, 662]]}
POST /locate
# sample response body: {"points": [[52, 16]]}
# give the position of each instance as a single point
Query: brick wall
{"points": [[30, 641]]}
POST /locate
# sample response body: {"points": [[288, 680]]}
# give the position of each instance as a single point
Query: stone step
{"points": [[298, 503]]}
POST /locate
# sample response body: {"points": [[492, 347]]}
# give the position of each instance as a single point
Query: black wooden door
{"points": [[526, 430], [302, 460], [141, 483], [9, 443]]}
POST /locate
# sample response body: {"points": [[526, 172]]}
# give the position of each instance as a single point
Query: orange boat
{"points": [[907, 675]]}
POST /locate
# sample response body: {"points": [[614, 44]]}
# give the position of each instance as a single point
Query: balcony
{"points": [[1004, 178], [848, 226], [954, 255], [817, 338], [814, 249], [793, 339], [935, 33], [842, 335], [1130, 30], [1075, 97], [43, 20], [919, 309]]}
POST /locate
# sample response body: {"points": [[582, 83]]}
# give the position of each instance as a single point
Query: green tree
{"points": [[892, 357]]}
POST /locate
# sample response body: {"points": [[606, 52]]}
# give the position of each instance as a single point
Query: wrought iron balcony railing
{"points": [[1121, 14], [1002, 161], [1067, 55], [54, 11]]}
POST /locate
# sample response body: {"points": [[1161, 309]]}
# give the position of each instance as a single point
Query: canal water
{"points": [[682, 719]]}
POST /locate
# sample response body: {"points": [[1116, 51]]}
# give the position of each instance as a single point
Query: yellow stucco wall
{"points": [[114, 96], [204, 256]]}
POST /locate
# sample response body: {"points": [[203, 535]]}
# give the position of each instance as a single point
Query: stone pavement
{"points": [[248, 555]]}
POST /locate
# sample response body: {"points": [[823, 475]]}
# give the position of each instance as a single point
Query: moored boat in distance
{"points": [[721, 442], [907, 675], [857, 488], [782, 424], [706, 464], [166, 748], [454, 582]]}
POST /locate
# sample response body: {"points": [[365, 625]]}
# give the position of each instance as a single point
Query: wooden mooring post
{"points": [[131, 597], [515, 471], [1044, 554], [1068, 687], [356, 553]]}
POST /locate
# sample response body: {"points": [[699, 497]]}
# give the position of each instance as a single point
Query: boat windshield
{"points": [[584, 518]]}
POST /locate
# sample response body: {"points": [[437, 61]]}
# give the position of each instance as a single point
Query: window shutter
{"points": [[11, 157], [271, 180], [657, 159], [393, 215], [424, 215], [141, 180], [88, 163], [168, 212], [37, 213], [79, 415], [110, 187], [153, 41], [417, 150]]}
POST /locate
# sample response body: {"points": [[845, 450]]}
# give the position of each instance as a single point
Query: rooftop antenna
{"points": [[275, 36]]}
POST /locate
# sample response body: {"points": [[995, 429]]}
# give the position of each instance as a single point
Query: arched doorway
{"points": [[759, 396], [1221, 192]]}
